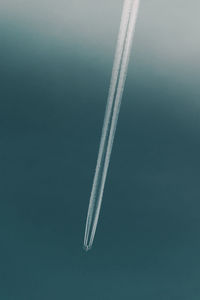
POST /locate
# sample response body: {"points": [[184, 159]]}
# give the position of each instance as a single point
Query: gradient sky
{"points": [[56, 61]]}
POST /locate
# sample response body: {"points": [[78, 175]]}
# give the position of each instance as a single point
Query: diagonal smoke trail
{"points": [[92, 212], [119, 72]]}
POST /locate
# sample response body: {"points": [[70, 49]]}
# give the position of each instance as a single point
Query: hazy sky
{"points": [[167, 33], [168, 27]]}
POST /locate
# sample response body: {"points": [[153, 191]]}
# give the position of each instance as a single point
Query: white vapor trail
{"points": [[119, 73]]}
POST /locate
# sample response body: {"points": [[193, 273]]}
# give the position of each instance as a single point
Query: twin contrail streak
{"points": [[119, 73]]}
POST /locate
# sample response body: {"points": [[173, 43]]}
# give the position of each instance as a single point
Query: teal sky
{"points": [[56, 60]]}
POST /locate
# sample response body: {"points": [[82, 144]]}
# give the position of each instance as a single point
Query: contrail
{"points": [[119, 73]]}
